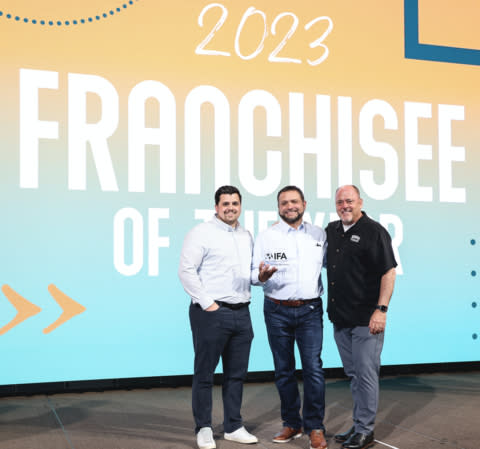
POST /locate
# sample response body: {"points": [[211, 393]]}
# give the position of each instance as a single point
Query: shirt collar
{"points": [[286, 228], [358, 222], [226, 227]]}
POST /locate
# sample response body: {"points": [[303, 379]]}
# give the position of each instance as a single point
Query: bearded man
{"points": [[287, 262]]}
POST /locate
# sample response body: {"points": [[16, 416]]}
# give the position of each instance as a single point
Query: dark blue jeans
{"points": [[303, 325], [228, 334]]}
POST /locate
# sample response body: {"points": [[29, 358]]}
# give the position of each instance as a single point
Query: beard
{"points": [[291, 220], [347, 221]]}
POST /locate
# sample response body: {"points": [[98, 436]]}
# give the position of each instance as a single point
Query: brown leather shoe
{"points": [[287, 434], [317, 439]]}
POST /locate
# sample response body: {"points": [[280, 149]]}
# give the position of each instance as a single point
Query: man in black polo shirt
{"points": [[361, 275]]}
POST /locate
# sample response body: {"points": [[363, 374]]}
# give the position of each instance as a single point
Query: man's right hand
{"points": [[265, 272], [212, 307]]}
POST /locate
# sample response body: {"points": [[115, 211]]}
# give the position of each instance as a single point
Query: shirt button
{"points": [[333, 299], [337, 250], [334, 266], [332, 283]]}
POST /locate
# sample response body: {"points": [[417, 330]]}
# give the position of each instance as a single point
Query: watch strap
{"points": [[381, 308]]}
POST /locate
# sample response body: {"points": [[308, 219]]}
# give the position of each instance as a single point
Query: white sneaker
{"points": [[205, 438], [241, 436]]}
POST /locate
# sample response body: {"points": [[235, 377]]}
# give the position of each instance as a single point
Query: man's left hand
{"points": [[378, 322]]}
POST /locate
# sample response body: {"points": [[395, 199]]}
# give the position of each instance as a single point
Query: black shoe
{"points": [[359, 441], [341, 437]]}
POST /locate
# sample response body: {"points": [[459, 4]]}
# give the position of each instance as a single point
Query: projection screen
{"points": [[120, 119]]}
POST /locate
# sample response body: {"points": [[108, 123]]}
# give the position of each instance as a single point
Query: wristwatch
{"points": [[381, 308]]}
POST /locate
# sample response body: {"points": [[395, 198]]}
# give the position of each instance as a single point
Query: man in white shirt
{"points": [[215, 271], [287, 262]]}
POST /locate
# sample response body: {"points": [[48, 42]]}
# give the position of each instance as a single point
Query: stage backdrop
{"points": [[119, 119]]}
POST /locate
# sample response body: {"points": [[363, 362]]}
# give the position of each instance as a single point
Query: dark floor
{"points": [[422, 411]]}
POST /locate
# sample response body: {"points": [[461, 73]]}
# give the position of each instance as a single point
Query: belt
{"points": [[292, 302], [235, 306]]}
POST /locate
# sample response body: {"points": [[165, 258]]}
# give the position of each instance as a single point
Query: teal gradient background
{"points": [[137, 326]]}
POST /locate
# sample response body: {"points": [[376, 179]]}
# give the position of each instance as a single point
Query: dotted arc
{"points": [[77, 21]]}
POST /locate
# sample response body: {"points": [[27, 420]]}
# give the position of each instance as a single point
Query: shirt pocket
{"points": [[311, 260], [314, 251]]}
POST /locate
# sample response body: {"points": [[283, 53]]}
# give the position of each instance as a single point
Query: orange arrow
{"points": [[69, 306], [25, 309]]}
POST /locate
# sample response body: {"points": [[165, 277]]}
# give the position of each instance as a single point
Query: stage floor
{"points": [[431, 411]]}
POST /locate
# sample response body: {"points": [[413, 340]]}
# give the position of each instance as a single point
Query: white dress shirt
{"points": [[298, 256], [215, 263]]}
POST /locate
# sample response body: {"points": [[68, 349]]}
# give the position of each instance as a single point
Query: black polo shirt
{"points": [[356, 261]]}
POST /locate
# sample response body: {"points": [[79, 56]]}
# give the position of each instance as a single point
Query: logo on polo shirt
{"points": [[275, 256], [355, 238]]}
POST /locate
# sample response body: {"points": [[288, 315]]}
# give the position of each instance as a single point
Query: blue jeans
{"points": [[223, 333], [303, 325], [360, 353]]}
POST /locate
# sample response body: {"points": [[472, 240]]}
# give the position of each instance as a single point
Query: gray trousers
{"points": [[360, 353]]}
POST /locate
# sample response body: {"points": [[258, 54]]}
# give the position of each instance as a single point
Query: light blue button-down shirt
{"points": [[215, 263], [298, 256]]}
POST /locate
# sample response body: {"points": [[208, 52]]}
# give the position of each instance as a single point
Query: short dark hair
{"points": [[226, 190], [289, 189]]}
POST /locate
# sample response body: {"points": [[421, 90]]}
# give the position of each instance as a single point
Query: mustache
{"points": [[293, 219]]}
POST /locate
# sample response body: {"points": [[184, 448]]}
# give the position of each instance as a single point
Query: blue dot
{"points": [[111, 13], [474, 304], [474, 336], [82, 20], [90, 19], [59, 23], [34, 21], [472, 242], [1, 13], [124, 5], [130, 2], [50, 23], [17, 18], [25, 20], [67, 22], [474, 273], [42, 22], [104, 15], [9, 16]]}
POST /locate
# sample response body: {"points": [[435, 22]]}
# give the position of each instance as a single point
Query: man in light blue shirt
{"points": [[287, 262], [215, 271]]}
